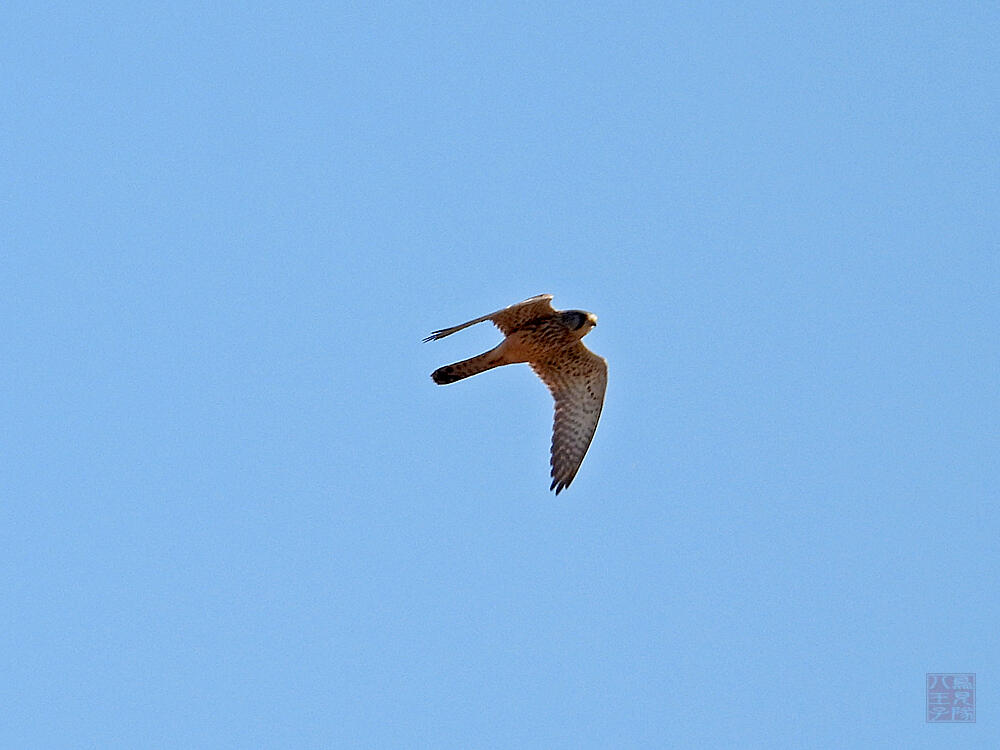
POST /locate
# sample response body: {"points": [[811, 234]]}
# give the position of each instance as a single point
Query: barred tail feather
{"points": [[467, 368]]}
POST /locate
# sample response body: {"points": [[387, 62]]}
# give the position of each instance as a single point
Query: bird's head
{"points": [[579, 321]]}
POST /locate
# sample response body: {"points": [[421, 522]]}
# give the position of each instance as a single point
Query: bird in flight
{"points": [[550, 342]]}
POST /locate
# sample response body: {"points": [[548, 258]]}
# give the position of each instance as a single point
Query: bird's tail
{"points": [[468, 367]]}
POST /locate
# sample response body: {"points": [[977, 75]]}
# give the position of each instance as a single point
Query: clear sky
{"points": [[237, 513]]}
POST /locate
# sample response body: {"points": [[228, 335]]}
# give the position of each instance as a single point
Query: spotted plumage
{"points": [[550, 342]]}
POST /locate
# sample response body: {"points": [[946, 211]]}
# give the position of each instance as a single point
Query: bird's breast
{"points": [[539, 340]]}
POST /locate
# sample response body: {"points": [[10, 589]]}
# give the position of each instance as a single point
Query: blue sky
{"points": [[238, 513]]}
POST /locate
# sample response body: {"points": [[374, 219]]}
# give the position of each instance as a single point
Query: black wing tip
{"points": [[433, 337], [559, 485]]}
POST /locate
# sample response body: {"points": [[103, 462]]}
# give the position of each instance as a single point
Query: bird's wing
{"points": [[577, 379], [508, 319]]}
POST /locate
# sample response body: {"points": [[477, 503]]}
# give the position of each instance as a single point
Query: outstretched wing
{"points": [[577, 379], [508, 319]]}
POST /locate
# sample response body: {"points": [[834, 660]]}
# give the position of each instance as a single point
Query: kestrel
{"points": [[550, 341]]}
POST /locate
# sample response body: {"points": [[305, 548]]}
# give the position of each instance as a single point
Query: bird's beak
{"points": [[593, 319]]}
